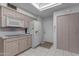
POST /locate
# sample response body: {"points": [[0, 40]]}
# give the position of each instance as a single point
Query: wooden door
{"points": [[68, 32], [62, 33], [74, 32]]}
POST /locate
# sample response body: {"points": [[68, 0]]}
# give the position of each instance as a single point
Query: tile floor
{"points": [[40, 51]]}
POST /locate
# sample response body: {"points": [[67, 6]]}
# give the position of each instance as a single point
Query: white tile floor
{"points": [[40, 51]]}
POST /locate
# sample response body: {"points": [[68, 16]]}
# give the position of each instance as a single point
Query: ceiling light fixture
{"points": [[35, 5], [47, 6]]}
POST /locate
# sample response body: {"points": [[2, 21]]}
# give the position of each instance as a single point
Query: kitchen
{"points": [[39, 29], [15, 36]]}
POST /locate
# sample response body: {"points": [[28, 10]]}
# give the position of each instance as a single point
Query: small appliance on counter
{"points": [[25, 30]]}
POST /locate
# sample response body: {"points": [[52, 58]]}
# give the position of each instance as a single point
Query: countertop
{"points": [[13, 36]]}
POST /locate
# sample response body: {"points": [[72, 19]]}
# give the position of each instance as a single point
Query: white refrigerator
{"points": [[35, 30]]}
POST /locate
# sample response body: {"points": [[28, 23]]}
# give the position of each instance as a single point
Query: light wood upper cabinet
{"points": [[7, 12], [26, 24], [28, 21], [10, 21], [15, 17]]}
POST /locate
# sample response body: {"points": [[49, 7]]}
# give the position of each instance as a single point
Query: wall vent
{"points": [[11, 6]]}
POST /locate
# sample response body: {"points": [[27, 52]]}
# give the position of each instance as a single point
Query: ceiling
{"points": [[31, 9], [42, 4], [45, 6]]}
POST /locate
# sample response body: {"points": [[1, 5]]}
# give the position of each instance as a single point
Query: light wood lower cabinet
{"points": [[23, 44], [11, 47], [29, 41]]}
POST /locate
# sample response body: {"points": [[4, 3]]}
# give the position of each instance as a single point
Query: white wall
{"points": [[62, 12], [48, 29]]}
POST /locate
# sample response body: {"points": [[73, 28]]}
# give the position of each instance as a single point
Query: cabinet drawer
{"points": [[14, 38], [10, 40]]}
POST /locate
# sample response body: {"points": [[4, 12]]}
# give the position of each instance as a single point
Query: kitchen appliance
{"points": [[25, 30], [35, 31]]}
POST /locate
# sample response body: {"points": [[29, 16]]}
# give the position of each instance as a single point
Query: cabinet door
{"points": [[10, 21], [8, 12], [29, 41], [11, 48], [22, 44], [28, 21]]}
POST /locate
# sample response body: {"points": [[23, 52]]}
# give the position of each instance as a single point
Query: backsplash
{"points": [[11, 31]]}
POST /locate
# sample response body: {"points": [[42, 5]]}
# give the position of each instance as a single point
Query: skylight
{"points": [[44, 6]]}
